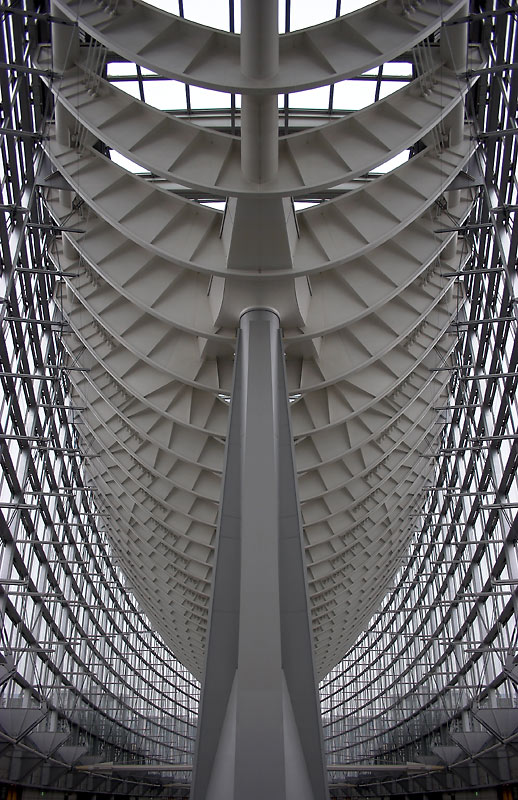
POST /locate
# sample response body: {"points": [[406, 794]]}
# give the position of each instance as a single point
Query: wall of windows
{"points": [[84, 677], [434, 678], [427, 697]]}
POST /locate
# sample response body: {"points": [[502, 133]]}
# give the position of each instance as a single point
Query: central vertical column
{"points": [[259, 113], [260, 690], [259, 731]]}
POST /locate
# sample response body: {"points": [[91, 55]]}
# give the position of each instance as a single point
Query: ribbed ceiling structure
{"points": [[359, 282]]}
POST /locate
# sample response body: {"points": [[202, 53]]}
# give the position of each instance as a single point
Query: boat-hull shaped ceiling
{"points": [[157, 283]]}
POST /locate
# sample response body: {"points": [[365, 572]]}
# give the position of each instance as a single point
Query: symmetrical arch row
{"points": [[178, 48], [158, 281], [84, 678]]}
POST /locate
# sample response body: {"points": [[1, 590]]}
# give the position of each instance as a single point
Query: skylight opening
{"points": [[166, 5], [117, 69], [130, 87], [301, 205], [215, 13], [354, 5], [217, 205], [304, 14], [310, 99], [354, 94], [389, 87], [398, 68], [392, 163], [347, 96], [208, 99], [165, 94], [127, 164]]}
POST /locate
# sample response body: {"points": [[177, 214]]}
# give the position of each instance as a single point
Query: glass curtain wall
{"points": [[434, 679], [426, 700], [84, 679]]}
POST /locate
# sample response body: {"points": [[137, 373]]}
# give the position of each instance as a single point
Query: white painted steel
{"points": [[323, 54], [185, 153], [158, 283], [189, 235]]}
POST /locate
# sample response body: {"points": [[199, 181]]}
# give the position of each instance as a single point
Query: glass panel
{"points": [[311, 98], [166, 95], [352, 95], [207, 98]]}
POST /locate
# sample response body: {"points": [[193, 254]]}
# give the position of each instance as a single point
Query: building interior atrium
{"points": [[258, 423]]}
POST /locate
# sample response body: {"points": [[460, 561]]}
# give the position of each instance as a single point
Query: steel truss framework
{"points": [[425, 700]]}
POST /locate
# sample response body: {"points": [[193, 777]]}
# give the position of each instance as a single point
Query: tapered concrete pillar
{"points": [[259, 733]]}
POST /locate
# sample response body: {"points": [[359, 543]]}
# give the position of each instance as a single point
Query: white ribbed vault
{"points": [[358, 281]]}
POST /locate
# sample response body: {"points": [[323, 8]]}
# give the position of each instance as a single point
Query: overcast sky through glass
{"points": [[216, 12], [170, 95]]}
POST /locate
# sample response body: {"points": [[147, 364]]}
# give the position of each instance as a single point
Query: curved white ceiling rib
{"points": [[154, 299], [323, 54], [180, 297], [189, 234], [140, 369], [309, 161]]}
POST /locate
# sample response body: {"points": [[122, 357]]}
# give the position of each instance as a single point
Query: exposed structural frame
{"points": [[434, 673], [259, 690], [155, 268]]}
